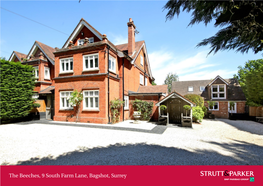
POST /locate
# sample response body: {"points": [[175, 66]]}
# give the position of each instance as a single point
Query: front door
{"points": [[174, 110], [50, 107]]}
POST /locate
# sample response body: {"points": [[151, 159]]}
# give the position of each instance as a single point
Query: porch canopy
{"points": [[174, 103]]}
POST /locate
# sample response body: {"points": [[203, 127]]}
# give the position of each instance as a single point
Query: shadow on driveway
{"points": [[242, 153], [244, 125]]}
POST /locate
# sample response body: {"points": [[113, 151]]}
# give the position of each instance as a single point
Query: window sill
{"points": [[90, 70], [61, 73], [46, 79], [112, 72], [92, 110], [126, 109], [70, 109]]}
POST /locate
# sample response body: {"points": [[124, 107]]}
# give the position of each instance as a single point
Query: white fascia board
{"points": [[35, 47], [220, 79], [31, 51], [12, 56], [147, 58], [76, 32]]}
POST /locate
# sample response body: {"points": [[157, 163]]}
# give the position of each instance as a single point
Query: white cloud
{"points": [[118, 39], [191, 68]]}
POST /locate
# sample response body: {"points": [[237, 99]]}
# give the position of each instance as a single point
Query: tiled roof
{"points": [[176, 93], [47, 49], [47, 90], [153, 89], [234, 90], [20, 55], [124, 47]]}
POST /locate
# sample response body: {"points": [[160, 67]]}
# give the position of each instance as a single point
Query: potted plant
{"points": [[163, 108], [186, 108]]}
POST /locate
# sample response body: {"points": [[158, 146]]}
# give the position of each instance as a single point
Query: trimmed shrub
{"points": [[17, 84], [115, 107], [144, 107], [198, 114], [198, 100]]}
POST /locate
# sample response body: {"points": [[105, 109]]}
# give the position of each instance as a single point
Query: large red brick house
{"points": [[90, 63], [221, 91]]}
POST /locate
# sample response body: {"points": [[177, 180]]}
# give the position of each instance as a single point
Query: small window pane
{"points": [[221, 88], [66, 66], [87, 101], [113, 66], [96, 102], [221, 95], [91, 102], [109, 64], [96, 93], [87, 63], [91, 93], [216, 106], [71, 65], [214, 88], [96, 62], [91, 63], [215, 95], [63, 102], [63, 66], [67, 102]]}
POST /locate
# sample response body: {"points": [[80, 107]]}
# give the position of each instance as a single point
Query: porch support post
{"points": [[159, 112]]}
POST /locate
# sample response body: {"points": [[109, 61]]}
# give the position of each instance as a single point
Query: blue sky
{"points": [[170, 44]]}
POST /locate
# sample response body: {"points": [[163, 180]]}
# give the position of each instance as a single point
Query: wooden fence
{"points": [[256, 111]]}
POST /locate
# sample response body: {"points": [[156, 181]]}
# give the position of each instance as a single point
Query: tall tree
{"points": [[169, 80], [250, 78], [242, 22]]}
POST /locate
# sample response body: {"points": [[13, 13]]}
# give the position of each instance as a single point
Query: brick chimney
{"points": [[131, 37]]}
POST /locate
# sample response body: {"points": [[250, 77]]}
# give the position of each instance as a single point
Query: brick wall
{"points": [[223, 108]]}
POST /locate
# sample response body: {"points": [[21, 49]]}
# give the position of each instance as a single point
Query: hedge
{"points": [[17, 84]]}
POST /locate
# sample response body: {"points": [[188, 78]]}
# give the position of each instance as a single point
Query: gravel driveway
{"points": [[214, 142]]}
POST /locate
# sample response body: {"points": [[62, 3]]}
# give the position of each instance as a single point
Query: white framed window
{"points": [[145, 80], [141, 79], [142, 60], [190, 89], [47, 73], [126, 102], [91, 100], [66, 65], [91, 62], [232, 109], [216, 106], [112, 64], [64, 100], [81, 42], [91, 39], [218, 91], [202, 88], [36, 72]]}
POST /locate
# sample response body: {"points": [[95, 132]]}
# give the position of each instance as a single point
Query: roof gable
{"points": [[218, 80], [82, 23], [46, 50], [17, 55], [176, 95], [139, 45]]}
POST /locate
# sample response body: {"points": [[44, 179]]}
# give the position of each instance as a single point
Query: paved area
{"points": [[214, 142]]}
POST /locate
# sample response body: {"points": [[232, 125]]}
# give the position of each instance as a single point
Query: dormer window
{"points": [[218, 91], [190, 89], [81, 42]]}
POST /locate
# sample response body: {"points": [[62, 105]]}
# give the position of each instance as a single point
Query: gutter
{"points": [[108, 47], [123, 88]]}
